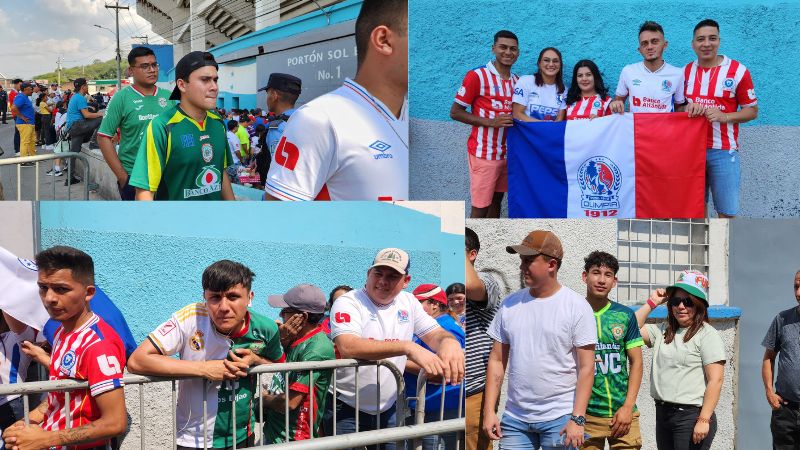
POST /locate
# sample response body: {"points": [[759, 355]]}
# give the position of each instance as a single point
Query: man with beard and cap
{"points": [[184, 150]]}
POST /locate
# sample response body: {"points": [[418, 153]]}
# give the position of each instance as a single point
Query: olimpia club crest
{"points": [[208, 181], [599, 179]]}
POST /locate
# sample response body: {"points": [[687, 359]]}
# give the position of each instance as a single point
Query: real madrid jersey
{"points": [[355, 313], [541, 102], [617, 331], [656, 91], [191, 334], [130, 111], [181, 159], [344, 145]]}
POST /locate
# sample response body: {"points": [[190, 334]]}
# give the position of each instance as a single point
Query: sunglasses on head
{"points": [[686, 301]]}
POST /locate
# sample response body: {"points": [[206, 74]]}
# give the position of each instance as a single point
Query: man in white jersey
{"points": [[653, 85], [217, 339], [379, 321], [550, 381], [13, 366], [720, 89], [352, 143]]}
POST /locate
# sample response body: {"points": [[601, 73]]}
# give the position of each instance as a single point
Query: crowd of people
{"points": [[218, 339], [715, 87], [354, 140]]}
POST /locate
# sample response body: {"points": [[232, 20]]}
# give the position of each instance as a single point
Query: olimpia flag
{"points": [[642, 165], [19, 293]]}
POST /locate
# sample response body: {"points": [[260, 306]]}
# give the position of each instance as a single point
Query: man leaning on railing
{"points": [[84, 348], [218, 339], [306, 390], [379, 321]]}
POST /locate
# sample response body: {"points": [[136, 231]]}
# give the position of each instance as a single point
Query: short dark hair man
{"points": [[483, 298], [309, 344], [130, 110], [217, 340], [490, 115], [352, 143], [611, 414], [85, 348], [24, 118], [3, 104], [184, 150], [81, 122], [784, 397], [652, 84], [721, 89]]}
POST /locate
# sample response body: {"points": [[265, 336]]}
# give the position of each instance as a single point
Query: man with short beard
{"points": [[784, 397], [184, 150]]}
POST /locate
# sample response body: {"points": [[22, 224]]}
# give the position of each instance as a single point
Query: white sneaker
{"points": [[54, 173], [48, 147]]}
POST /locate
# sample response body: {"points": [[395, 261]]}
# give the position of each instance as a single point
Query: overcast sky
{"points": [[36, 32]]}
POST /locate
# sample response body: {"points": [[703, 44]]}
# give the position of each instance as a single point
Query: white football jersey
{"points": [[344, 145], [657, 91], [541, 102], [13, 362], [355, 313]]}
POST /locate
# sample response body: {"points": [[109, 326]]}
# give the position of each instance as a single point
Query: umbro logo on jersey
{"points": [[187, 140], [382, 147], [637, 82]]}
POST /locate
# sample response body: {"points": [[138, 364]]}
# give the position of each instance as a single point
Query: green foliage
{"points": [[98, 70]]}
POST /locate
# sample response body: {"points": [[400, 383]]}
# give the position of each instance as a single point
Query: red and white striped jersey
{"points": [[94, 353], [727, 87], [488, 95], [585, 107]]}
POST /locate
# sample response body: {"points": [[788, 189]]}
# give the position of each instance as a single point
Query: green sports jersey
{"points": [[617, 331], [130, 111], [315, 346], [181, 159]]}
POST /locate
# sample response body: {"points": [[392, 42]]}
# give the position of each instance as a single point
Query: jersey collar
{"points": [[603, 309], [491, 68], [93, 319], [307, 336], [644, 66], [377, 104], [201, 127], [725, 62], [155, 92]]}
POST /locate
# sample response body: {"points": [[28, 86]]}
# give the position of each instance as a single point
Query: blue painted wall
{"points": [[149, 258], [604, 31]]}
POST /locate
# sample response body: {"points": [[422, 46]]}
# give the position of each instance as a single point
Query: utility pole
{"points": [[59, 71], [116, 9]]}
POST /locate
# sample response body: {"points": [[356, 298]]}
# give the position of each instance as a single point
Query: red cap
{"points": [[430, 292]]}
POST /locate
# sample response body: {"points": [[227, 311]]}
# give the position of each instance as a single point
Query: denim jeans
{"points": [[346, 422], [519, 435], [723, 171]]}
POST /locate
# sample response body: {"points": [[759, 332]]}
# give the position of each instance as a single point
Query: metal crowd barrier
{"points": [[400, 433], [36, 159]]}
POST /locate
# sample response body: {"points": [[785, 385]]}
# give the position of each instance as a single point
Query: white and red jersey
{"points": [[94, 353], [488, 95], [344, 145], [727, 87], [355, 313], [13, 362], [586, 107], [657, 91]]}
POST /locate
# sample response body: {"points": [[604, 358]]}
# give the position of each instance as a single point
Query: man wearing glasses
{"points": [[129, 111]]}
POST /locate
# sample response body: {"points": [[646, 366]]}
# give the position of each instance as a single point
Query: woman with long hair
{"points": [[541, 97], [457, 299], [587, 97], [688, 364]]}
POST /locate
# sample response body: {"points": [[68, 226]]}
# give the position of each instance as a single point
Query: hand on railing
{"points": [[452, 356], [219, 370], [426, 360]]}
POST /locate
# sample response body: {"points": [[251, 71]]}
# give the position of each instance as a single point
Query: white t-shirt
{"points": [[13, 362], [354, 313], [657, 91], [235, 146], [344, 145], [542, 334], [541, 102]]}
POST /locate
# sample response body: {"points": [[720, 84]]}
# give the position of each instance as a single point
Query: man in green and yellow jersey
{"points": [[306, 396], [184, 150], [130, 111], [612, 413]]}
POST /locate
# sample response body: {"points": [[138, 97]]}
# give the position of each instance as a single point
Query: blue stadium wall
{"points": [[149, 258], [448, 38], [239, 80]]}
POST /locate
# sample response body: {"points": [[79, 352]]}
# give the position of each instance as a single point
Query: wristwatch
{"points": [[580, 420]]}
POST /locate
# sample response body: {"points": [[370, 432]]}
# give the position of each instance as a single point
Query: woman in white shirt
{"points": [[542, 96]]}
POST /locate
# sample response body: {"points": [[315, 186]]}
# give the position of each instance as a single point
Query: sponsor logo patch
{"points": [[402, 316]]}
